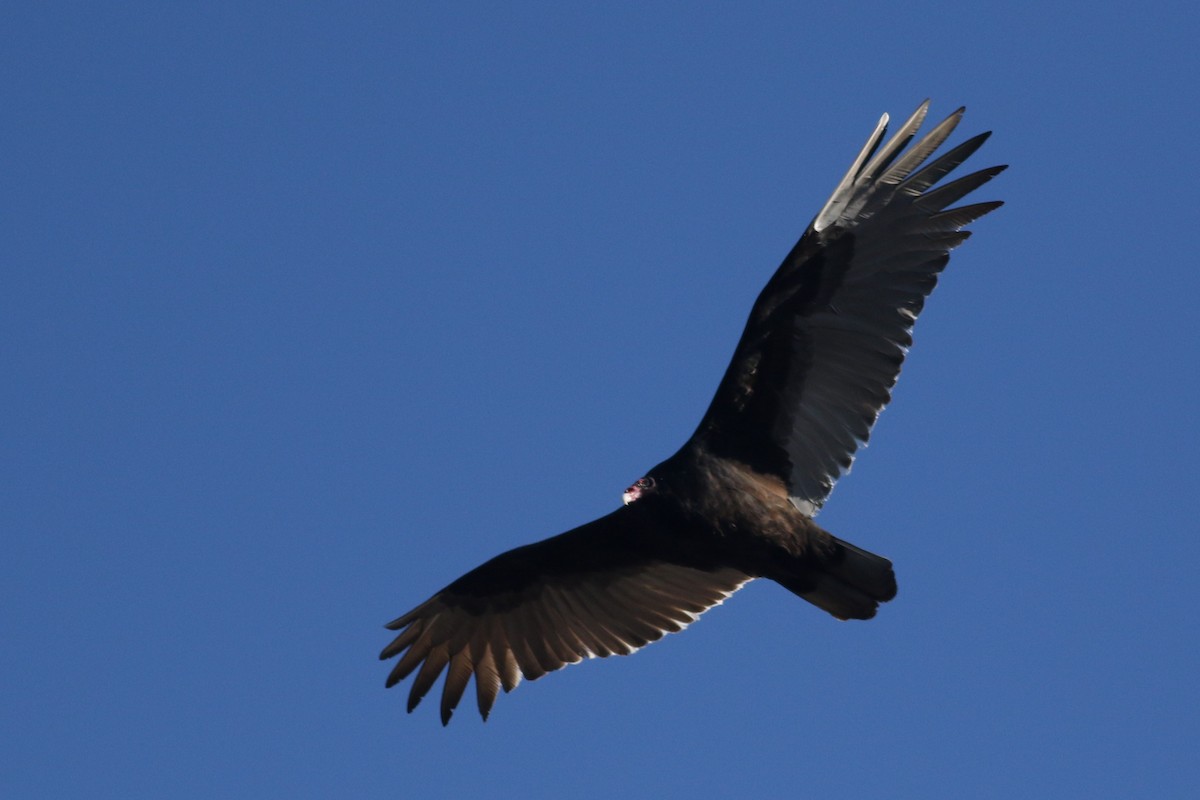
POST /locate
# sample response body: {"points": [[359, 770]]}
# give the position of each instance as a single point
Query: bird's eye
{"points": [[646, 483]]}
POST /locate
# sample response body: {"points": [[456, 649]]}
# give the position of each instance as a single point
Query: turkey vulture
{"points": [[814, 367]]}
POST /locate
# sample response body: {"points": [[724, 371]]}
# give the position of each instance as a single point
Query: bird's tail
{"points": [[842, 579]]}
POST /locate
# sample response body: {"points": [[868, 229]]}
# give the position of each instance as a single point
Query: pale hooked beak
{"points": [[637, 490]]}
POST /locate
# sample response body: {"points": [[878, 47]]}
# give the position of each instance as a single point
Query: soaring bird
{"points": [[813, 369]]}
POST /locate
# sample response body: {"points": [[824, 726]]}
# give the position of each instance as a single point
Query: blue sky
{"points": [[307, 312]]}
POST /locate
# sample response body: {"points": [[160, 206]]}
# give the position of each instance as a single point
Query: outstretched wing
{"points": [[825, 340], [605, 588]]}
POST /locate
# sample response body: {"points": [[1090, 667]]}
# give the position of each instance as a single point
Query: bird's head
{"points": [[640, 487]]}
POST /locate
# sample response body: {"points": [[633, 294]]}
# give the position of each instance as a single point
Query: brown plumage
{"points": [[815, 365]]}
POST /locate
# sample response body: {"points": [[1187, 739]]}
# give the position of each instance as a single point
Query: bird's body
{"points": [[815, 365], [721, 511]]}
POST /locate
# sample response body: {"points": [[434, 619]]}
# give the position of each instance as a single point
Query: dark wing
{"points": [[825, 340], [605, 588]]}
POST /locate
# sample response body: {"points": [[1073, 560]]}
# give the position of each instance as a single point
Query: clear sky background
{"points": [[304, 313]]}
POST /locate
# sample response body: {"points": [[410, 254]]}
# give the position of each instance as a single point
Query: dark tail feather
{"points": [[845, 580]]}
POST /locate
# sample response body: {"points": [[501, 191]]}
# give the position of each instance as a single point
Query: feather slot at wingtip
{"points": [[925, 147], [934, 171], [435, 662], [418, 650], [401, 642], [842, 192], [940, 198], [888, 153], [406, 619]]}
